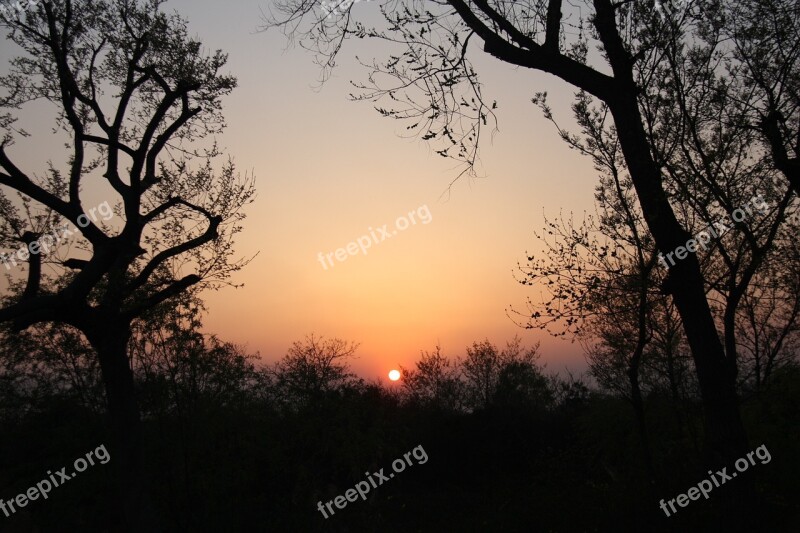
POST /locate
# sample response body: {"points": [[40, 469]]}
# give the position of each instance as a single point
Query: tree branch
{"points": [[536, 56], [209, 235], [157, 298], [553, 28]]}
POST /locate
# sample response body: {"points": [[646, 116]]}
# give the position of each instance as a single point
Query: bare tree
{"points": [[757, 41], [768, 316], [133, 92], [435, 381], [484, 365], [312, 369], [597, 280]]}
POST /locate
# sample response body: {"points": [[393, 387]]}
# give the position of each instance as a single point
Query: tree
{"points": [[604, 281], [485, 365], [47, 362], [601, 277], [313, 369], [199, 371], [597, 278], [435, 381], [522, 384], [134, 94], [756, 41], [768, 317]]}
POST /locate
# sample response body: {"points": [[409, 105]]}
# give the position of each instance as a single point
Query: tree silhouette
{"points": [[604, 279], [595, 278], [756, 40], [312, 369], [134, 94], [485, 365], [435, 381]]}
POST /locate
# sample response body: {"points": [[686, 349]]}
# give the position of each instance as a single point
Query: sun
{"points": [[394, 375]]}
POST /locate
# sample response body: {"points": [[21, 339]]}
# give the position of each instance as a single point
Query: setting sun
{"points": [[394, 375]]}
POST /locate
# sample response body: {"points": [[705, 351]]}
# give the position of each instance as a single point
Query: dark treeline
{"points": [[232, 444]]}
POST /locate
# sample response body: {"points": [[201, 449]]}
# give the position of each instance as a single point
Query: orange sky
{"points": [[328, 169]]}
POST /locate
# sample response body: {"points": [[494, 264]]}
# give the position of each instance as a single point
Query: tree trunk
{"points": [[725, 439], [135, 510]]}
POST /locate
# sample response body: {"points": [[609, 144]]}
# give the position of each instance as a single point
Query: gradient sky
{"points": [[327, 169]]}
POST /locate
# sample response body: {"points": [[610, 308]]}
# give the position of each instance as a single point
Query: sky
{"points": [[329, 171]]}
